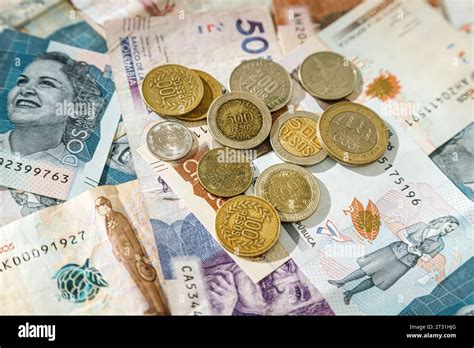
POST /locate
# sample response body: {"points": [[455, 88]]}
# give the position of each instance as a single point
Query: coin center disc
{"points": [[288, 191], [239, 120], [298, 137], [353, 132], [169, 140]]}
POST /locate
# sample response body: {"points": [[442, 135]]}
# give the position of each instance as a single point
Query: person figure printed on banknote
{"points": [[128, 251], [42, 125], [387, 265]]}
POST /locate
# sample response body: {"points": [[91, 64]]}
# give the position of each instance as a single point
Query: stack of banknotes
{"points": [[92, 223]]}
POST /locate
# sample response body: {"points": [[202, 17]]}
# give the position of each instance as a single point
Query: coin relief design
{"points": [[292, 190], [328, 75], [239, 120], [352, 133], [221, 177], [247, 226], [212, 90], [172, 90], [298, 137], [294, 138], [169, 141], [264, 79]]}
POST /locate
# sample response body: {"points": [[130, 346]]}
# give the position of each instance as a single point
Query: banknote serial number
{"points": [[44, 249], [397, 177], [34, 171]]}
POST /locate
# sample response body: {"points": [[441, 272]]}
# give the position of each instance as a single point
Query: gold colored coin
{"points": [[172, 90], [224, 173], [292, 190], [352, 133], [328, 75], [239, 120], [294, 138], [247, 226], [212, 90]]}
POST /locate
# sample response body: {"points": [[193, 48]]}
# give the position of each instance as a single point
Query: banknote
{"points": [[58, 117], [94, 254], [119, 166], [201, 279], [386, 235], [101, 11], [63, 23], [298, 20], [456, 160], [441, 88], [212, 41], [460, 14], [17, 204], [16, 13]]}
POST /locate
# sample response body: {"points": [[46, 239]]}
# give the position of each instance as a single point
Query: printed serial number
{"points": [[34, 171], [44, 249], [399, 180]]}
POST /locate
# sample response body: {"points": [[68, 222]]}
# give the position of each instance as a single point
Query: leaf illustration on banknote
{"points": [[366, 221]]}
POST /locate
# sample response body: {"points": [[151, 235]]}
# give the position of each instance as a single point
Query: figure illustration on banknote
{"points": [[229, 290], [128, 251], [387, 265], [284, 292], [30, 206], [52, 107], [120, 156]]}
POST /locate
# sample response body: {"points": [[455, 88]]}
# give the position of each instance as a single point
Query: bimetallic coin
{"points": [[172, 90], [352, 133], [212, 90], [264, 79], [294, 138], [239, 120], [247, 226], [222, 176], [169, 141], [328, 75], [292, 190]]}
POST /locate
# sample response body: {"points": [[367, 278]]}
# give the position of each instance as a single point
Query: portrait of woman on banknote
{"points": [[385, 266], [53, 107]]}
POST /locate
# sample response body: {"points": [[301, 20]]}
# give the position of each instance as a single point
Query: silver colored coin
{"points": [[264, 79], [169, 140], [239, 120], [328, 75]]}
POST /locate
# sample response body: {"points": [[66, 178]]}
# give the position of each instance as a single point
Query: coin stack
{"points": [[241, 119]]}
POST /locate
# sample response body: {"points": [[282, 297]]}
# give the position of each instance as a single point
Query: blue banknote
{"points": [[58, 116], [456, 160], [453, 296]]}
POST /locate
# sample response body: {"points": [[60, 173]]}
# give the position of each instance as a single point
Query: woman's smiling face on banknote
{"points": [[39, 91]]}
